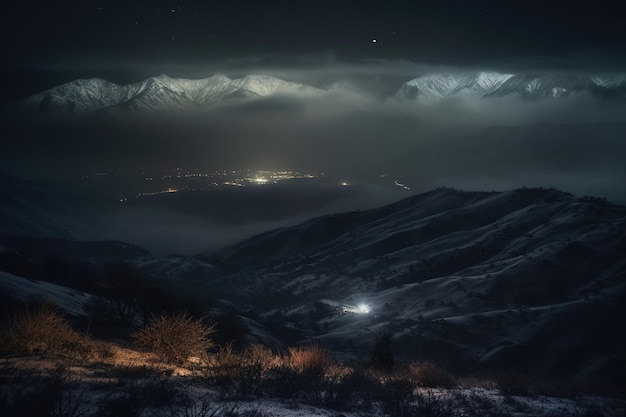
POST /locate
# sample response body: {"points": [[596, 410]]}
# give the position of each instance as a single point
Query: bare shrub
{"points": [[241, 373], [261, 356], [398, 398], [366, 383], [310, 365], [282, 381], [308, 371], [42, 330], [427, 374], [338, 389], [396, 394], [174, 339]]}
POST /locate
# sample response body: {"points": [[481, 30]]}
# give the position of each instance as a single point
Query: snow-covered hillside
{"points": [[532, 276], [67, 299]]}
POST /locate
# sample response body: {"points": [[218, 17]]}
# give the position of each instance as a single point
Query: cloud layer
{"points": [[575, 144]]}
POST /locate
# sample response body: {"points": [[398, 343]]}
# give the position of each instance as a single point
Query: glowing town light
{"points": [[363, 309], [344, 184], [260, 180]]}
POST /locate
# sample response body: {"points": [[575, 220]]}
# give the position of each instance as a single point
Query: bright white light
{"points": [[260, 180], [363, 308]]}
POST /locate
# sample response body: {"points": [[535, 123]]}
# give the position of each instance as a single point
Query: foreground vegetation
{"points": [[171, 367]]}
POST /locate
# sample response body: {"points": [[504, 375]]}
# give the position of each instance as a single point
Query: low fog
{"points": [[575, 144], [205, 222]]}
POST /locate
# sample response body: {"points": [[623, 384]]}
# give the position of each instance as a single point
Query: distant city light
{"points": [[179, 179]]}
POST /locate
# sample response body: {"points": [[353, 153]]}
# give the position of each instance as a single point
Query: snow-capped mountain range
{"points": [[164, 93], [493, 84], [159, 93]]}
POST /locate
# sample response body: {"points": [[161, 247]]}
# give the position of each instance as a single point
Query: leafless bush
{"points": [[308, 372], [241, 373], [310, 365], [174, 339], [43, 331], [282, 381], [338, 389], [396, 394], [427, 374]]}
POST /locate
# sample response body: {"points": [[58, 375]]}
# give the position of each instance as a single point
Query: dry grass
{"points": [[311, 360], [427, 374], [302, 370], [240, 373]]}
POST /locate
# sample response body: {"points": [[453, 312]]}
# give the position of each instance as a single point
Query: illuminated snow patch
{"points": [[363, 309]]}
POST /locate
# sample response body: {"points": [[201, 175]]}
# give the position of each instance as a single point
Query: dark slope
{"points": [[532, 279]]}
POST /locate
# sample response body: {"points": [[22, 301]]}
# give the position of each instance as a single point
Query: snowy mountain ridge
{"points": [[493, 84], [165, 93], [158, 93]]}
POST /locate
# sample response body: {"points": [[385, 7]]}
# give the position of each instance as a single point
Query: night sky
{"points": [[366, 49], [116, 39], [455, 32]]}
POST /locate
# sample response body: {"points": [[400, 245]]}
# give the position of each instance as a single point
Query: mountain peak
{"points": [[161, 92], [163, 77], [494, 84], [219, 78]]}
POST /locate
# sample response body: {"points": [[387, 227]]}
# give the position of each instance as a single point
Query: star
{"points": [[374, 40]]}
